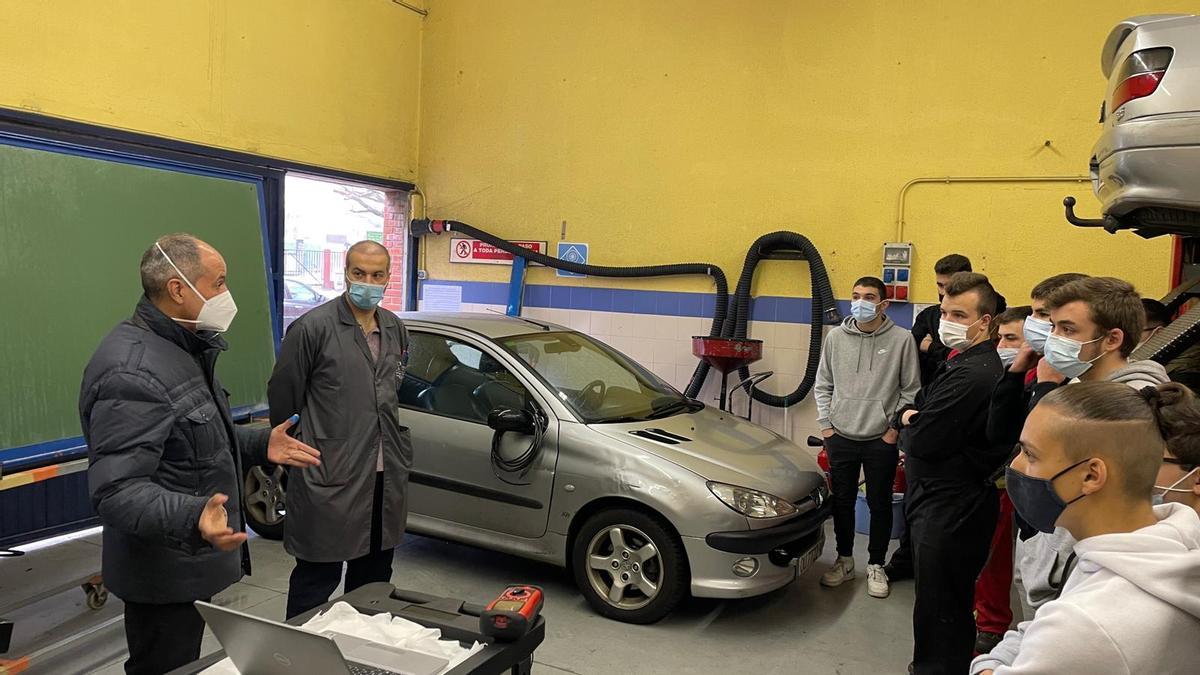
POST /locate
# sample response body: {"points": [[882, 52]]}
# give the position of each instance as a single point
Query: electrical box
{"points": [[897, 269]]}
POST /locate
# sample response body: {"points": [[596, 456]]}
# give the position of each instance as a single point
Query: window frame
{"points": [[481, 343]]}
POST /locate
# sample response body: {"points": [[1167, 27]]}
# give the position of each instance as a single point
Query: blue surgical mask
{"points": [[366, 296], [1062, 354], [864, 311], [1036, 331], [1035, 499]]}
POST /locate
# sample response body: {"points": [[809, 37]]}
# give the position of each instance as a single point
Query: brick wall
{"points": [[395, 238]]}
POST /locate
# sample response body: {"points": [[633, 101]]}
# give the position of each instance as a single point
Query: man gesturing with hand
{"points": [[166, 460]]}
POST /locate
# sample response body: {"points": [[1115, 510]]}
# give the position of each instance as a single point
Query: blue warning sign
{"points": [[576, 253]]}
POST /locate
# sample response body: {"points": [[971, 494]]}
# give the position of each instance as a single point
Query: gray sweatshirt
{"points": [[1044, 564], [864, 378]]}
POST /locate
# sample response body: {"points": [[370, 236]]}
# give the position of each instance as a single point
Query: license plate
{"points": [[810, 557]]}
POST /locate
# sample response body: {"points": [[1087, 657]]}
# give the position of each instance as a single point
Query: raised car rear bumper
{"points": [[1148, 162]]}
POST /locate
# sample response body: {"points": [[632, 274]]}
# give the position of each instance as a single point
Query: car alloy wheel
{"points": [[625, 567], [264, 497]]}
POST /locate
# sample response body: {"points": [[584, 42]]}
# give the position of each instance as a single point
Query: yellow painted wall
{"points": [[326, 82], [672, 130]]}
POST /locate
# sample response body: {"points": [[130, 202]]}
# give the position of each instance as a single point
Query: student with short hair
{"points": [[932, 353], [993, 606], [951, 503], [868, 371], [1089, 458]]}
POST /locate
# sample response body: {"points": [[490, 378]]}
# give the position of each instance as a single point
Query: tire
{"points": [[264, 492], [601, 564]]}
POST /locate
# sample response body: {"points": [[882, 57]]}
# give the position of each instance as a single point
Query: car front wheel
{"points": [[263, 500], [630, 566]]}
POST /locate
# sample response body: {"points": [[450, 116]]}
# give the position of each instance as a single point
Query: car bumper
{"points": [[780, 554], [1148, 162]]}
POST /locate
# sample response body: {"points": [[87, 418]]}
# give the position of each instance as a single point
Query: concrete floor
{"points": [[802, 628]]}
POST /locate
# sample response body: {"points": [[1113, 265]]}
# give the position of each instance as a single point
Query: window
{"points": [[457, 379], [322, 219], [599, 384]]}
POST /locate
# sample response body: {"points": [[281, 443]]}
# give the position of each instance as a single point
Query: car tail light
{"points": [[1140, 74]]}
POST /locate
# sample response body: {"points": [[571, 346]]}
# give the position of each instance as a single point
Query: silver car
{"points": [[1145, 163], [540, 441]]}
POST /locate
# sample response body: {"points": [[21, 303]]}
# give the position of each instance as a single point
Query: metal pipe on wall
{"points": [[901, 198]]}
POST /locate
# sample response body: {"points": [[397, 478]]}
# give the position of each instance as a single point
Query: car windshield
{"points": [[599, 384]]}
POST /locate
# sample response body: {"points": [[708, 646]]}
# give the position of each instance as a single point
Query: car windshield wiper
{"points": [[674, 407], [623, 419]]}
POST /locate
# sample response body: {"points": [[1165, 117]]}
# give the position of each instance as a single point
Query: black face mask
{"points": [[1035, 498]]}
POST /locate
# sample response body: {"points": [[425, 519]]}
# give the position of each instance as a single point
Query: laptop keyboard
{"points": [[360, 669]]}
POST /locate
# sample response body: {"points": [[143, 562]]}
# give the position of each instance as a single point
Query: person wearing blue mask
{"points": [[1090, 462], [869, 370], [340, 365]]}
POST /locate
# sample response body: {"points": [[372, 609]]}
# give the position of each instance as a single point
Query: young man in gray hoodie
{"points": [[1097, 322], [869, 370]]}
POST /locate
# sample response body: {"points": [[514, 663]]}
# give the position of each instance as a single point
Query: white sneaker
{"points": [[877, 582], [841, 572]]}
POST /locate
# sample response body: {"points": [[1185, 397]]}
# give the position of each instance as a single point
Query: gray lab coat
{"points": [[346, 400]]}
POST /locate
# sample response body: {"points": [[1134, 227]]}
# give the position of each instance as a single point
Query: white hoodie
{"points": [[1132, 605]]}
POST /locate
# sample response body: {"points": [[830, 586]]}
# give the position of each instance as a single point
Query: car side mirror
{"points": [[506, 419]]}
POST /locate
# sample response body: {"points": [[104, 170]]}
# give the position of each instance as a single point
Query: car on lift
{"points": [[539, 441], [1143, 167]]}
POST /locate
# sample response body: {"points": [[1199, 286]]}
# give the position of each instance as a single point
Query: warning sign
{"points": [[482, 253]]}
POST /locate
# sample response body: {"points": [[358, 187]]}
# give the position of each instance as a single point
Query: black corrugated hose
{"points": [[422, 226], [824, 307]]}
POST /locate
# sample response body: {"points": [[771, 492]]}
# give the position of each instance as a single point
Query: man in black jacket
{"points": [[165, 459], [952, 503], [932, 354], [932, 351]]}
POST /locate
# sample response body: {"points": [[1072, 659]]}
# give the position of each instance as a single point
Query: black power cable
{"points": [[522, 463]]}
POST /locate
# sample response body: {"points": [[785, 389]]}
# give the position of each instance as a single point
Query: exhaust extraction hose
{"points": [[787, 245], [424, 226]]}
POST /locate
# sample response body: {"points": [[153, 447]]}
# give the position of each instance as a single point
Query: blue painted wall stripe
{"points": [[661, 303]]}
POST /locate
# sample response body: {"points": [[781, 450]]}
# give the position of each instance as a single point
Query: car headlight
{"points": [[751, 503]]}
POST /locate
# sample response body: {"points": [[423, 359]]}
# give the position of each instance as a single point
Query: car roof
{"points": [[493, 326]]}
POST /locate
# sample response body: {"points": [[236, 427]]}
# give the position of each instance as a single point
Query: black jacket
{"points": [[1011, 402], [948, 439], [926, 324], [161, 441]]}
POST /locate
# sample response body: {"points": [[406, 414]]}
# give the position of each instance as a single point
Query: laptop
{"points": [[263, 647]]}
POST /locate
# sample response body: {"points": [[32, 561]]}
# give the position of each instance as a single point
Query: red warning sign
{"points": [[482, 253]]}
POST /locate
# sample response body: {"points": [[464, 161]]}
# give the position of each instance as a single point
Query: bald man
{"points": [[164, 457], [340, 365]]}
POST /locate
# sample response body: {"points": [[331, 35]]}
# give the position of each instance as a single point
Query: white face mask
{"points": [[1007, 355], [218, 311], [1062, 353], [954, 335], [1036, 331], [1161, 496]]}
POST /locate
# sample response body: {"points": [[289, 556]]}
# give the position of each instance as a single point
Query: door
{"points": [[449, 389]]}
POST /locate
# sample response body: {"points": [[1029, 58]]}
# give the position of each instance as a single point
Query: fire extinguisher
{"points": [[822, 458], [900, 485]]}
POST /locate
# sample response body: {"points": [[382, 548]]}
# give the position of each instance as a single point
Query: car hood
{"points": [[724, 448]]}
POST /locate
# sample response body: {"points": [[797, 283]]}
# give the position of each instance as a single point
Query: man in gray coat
{"points": [[165, 460], [340, 366], [869, 370]]}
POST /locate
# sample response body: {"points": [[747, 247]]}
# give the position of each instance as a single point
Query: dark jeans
{"points": [[162, 637], [952, 525], [312, 583], [877, 461]]}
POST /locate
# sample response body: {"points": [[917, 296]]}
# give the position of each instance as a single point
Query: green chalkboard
{"points": [[72, 232]]}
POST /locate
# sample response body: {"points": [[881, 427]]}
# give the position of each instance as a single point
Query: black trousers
{"points": [[312, 583], [902, 557], [877, 461], [162, 637], [952, 525]]}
